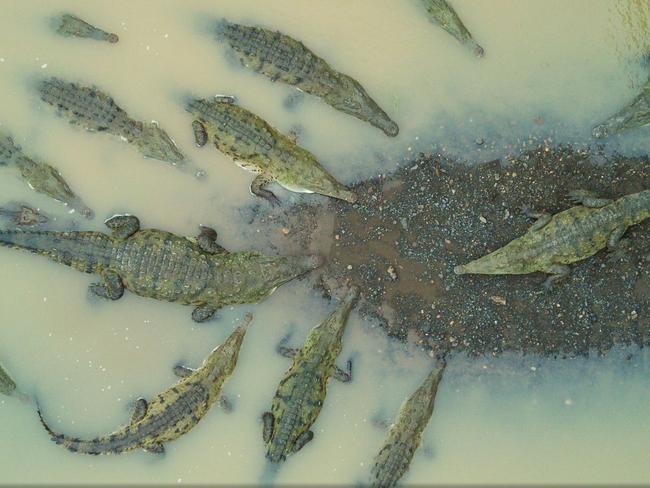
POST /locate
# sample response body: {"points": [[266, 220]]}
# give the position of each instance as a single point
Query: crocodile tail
{"points": [[85, 251], [72, 444]]}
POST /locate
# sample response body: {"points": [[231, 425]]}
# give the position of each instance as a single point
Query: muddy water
{"points": [[546, 76]]}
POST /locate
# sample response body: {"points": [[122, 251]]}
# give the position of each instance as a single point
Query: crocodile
{"points": [[302, 390], [173, 412], [282, 58], [95, 111], [404, 435], [444, 15], [555, 241], [157, 264], [69, 25], [261, 149], [40, 176], [634, 114], [22, 215]]}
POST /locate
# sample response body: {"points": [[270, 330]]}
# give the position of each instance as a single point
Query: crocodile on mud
{"points": [[95, 111], [22, 215], [282, 58], [40, 176], [69, 25], [173, 412], [261, 149], [404, 436], [555, 241], [302, 390], [157, 264], [443, 14], [633, 115]]}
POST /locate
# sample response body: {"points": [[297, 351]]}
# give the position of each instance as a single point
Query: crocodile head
{"points": [[352, 99], [156, 144]]}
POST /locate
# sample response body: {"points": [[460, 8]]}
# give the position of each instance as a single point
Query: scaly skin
{"points": [[95, 111], [157, 264], [72, 26], [22, 215], [635, 114], [301, 393], [285, 59], [173, 412], [404, 435], [443, 14], [569, 236], [42, 177], [258, 147]]}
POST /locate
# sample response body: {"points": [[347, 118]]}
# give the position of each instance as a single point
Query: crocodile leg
{"points": [[225, 99], [257, 188], [267, 422], [154, 447], [182, 371], [615, 237], [283, 350], [543, 218], [207, 241], [204, 312], [139, 411], [558, 271], [302, 439], [123, 226], [343, 375], [111, 286], [225, 403], [588, 199], [200, 134]]}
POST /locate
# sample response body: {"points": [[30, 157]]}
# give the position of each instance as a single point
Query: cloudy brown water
{"points": [[550, 73]]}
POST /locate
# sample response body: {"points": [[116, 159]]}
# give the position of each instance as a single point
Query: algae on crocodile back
{"points": [[7, 385], [443, 14], [634, 114], [69, 25]]}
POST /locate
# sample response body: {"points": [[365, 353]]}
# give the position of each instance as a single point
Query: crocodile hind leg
{"points": [[615, 237], [111, 286], [588, 199], [200, 134], [182, 371], [302, 439], [139, 411], [207, 241], [204, 312], [257, 188], [267, 426], [154, 447], [558, 271], [343, 375], [543, 218], [123, 226], [284, 350]]}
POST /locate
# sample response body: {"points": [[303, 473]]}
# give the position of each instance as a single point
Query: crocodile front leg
{"points": [[343, 375], [257, 188], [200, 134], [182, 371], [123, 226], [111, 286], [139, 411], [267, 426], [543, 218], [302, 439], [205, 312], [207, 241], [615, 238], [558, 271], [154, 447], [283, 350], [588, 199]]}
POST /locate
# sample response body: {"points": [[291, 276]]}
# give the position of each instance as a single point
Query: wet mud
{"points": [[402, 239]]}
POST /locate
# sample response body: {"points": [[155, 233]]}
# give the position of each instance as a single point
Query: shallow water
{"points": [[546, 76]]}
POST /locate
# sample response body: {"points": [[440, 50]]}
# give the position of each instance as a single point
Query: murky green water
{"points": [[550, 73]]}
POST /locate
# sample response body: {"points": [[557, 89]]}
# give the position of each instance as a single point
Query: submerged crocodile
{"points": [[261, 149], [157, 264], [40, 176], [301, 393], [555, 241], [72, 26], [404, 435], [95, 111], [22, 215], [443, 14], [285, 59], [633, 115], [173, 412]]}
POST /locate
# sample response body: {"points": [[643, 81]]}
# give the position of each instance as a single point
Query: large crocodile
{"points": [[555, 241], [173, 412], [69, 25], [301, 393], [40, 176], [634, 114], [285, 59], [157, 264], [258, 147], [404, 436], [443, 14], [95, 111]]}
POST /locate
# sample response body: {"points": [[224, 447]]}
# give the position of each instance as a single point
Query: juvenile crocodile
{"points": [[443, 14], [22, 215], [285, 59], [173, 412], [40, 176], [404, 435], [633, 115], [72, 26], [555, 241], [157, 264], [95, 111], [261, 149], [301, 393]]}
